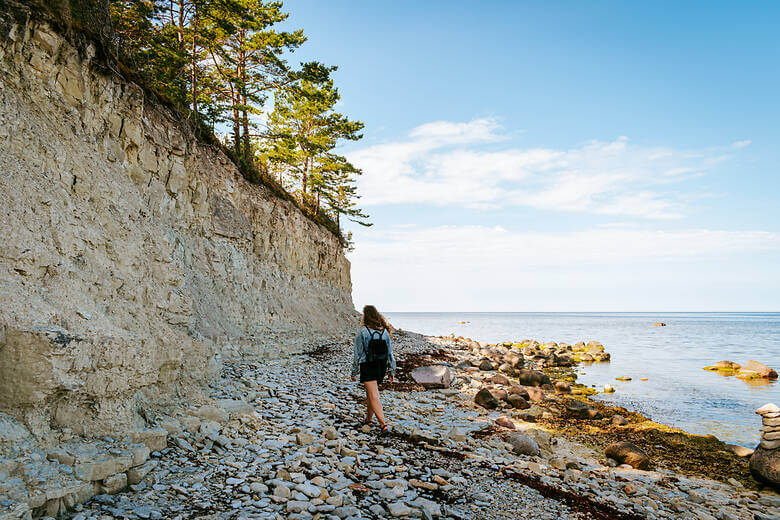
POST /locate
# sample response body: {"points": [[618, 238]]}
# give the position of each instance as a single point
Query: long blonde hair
{"points": [[374, 320]]}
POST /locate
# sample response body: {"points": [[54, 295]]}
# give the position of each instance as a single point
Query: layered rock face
{"points": [[133, 257]]}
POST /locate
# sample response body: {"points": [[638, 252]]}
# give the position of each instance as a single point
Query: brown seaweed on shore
{"points": [[669, 448], [578, 502]]}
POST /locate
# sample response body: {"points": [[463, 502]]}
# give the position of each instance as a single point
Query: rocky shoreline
{"points": [[281, 439]]}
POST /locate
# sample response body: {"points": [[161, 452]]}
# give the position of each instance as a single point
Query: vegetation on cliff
{"points": [[223, 65]]}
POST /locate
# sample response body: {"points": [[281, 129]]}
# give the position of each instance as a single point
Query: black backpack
{"points": [[377, 347]]}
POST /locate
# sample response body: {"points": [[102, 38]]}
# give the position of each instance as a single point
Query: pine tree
{"points": [[303, 131], [249, 61]]}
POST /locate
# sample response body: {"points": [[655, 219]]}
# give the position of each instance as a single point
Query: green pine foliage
{"points": [[224, 64]]}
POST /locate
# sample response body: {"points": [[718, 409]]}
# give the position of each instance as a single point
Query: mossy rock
{"points": [[724, 371], [583, 390]]}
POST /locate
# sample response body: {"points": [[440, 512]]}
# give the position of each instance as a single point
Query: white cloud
{"points": [[605, 268], [741, 144], [445, 163], [496, 246]]}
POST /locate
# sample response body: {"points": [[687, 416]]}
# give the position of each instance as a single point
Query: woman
{"points": [[373, 356]]}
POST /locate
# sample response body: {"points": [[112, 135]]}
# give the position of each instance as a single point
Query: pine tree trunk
{"points": [[194, 72], [304, 178], [245, 122], [244, 101], [236, 132]]}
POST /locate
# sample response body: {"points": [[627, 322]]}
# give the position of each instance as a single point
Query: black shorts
{"points": [[373, 371]]}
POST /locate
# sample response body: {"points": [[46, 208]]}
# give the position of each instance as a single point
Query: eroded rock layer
{"points": [[134, 257]]}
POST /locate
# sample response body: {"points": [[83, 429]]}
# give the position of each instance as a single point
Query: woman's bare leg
{"points": [[369, 410], [375, 405]]}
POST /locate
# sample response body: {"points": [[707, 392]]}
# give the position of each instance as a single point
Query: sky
{"points": [[559, 156]]}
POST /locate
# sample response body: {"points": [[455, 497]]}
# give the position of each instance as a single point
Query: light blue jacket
{"points": [[361, 347]]}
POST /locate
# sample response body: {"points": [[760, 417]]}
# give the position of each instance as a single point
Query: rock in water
{"points": [[436, 376], [753, 369], [562, 387], [532, 378], [627, 453], [485, 399], [724, 367], [523, 445], [765, 466]]}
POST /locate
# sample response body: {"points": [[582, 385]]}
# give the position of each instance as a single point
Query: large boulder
{"points": [[499, 379], [519, 390], [535, 393], [765, 466], [532, 378], [435, 376], [753, 370], [485, 399], [581, 410], [514, 359], [627, 453], [486, 365], [523, 444], [499, 393], [517, 401]]}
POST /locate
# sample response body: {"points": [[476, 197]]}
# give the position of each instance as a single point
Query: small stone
{"points": [[282, 491], [115, 483], [399, 509], [304, 439], [505, 422]]}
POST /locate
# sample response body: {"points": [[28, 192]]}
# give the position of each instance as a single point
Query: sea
{"points": [[677, 391]]}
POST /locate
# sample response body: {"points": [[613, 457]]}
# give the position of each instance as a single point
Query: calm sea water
{"points": [[678, 392]]}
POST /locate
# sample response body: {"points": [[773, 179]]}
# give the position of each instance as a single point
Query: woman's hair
{"points": [[373, 320]]}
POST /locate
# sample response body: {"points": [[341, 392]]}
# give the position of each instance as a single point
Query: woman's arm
{"points": [[356, 354], [391, 357]]}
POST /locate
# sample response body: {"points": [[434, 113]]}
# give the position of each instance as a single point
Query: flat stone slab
{"points": [[434, 376]]}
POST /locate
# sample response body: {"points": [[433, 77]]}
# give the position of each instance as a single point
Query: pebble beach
{"points": [[282, 439]]}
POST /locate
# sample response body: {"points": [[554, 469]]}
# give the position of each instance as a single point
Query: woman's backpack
{"points": [[377, 347]]}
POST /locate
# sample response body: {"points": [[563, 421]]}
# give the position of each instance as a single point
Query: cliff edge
{"points": [[135, 258]]}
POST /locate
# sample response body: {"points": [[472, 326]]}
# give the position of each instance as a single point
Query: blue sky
{"points": [[560, 156]]}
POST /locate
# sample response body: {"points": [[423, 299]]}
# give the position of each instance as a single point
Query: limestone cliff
{"points": [[134, 257]]}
